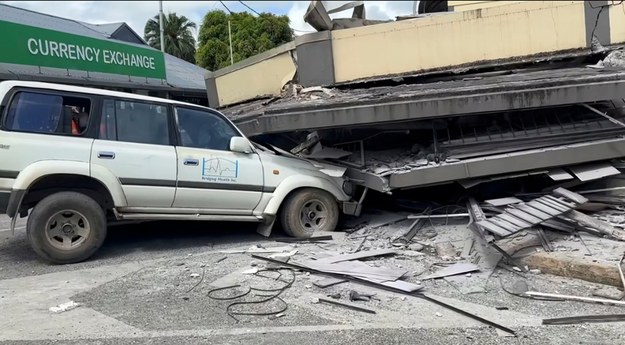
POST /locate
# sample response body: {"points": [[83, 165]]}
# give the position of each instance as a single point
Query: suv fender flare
{"points": [[294, 182], [40, 169]]}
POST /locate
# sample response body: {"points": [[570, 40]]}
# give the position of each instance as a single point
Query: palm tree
{"points": [[179, 40]]}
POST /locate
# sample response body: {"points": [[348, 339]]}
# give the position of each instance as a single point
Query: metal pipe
{"points": [[573, 298], [160, 24], [230, 39], [610, 118]]}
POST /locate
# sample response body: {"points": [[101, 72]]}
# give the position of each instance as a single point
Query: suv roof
{"points": [[8, 84]]}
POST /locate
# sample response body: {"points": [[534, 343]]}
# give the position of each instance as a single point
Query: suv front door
{"points": [[135, 145], [210, 176]]}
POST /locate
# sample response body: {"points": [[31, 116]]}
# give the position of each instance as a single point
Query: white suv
{"points": [[74, 158]]}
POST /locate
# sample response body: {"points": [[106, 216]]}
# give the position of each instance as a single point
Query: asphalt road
{"points": [[139, 289]]}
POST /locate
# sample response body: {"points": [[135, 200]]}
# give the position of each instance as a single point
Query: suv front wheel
{"points": [[66, 227], [308, 211]]}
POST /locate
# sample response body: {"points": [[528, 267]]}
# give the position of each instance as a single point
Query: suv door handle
{"points": [[106, 155], [191, 162]]}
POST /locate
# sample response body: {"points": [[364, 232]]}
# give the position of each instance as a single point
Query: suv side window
{"points": [[203, 129], [39, 112], [135, 122]]}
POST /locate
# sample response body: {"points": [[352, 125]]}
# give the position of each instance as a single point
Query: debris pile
{"points": [[555, 211]]}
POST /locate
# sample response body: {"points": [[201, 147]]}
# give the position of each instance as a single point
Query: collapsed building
{"points": [[467, 92]]}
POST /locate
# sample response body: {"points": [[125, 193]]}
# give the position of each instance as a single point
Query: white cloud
{"points": [[136, 13]]}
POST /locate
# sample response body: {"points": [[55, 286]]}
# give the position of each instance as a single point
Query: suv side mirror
{"points": [[240, 144]]}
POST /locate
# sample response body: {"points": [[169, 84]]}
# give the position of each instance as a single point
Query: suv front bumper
{"points": [[352, 208]]}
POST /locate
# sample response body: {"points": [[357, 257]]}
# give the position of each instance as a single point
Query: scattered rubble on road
{"points": [[63, 307], [412, 248]]}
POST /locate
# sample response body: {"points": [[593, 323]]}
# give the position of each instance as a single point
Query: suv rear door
{"points": [[210, 176], [135, 145], [42, 125]]}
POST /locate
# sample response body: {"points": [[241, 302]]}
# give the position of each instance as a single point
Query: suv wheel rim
{"points": [[313, 215], [67, 229]]}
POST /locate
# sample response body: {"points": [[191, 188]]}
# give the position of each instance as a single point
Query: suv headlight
{"points": [[348, 188]]}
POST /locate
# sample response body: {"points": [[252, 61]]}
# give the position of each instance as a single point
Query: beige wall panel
{"points": [[617, 23], [455, 39], [262, 78]]}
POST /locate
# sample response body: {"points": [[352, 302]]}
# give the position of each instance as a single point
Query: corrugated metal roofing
{"points": [[107, 29], [180, 74]]}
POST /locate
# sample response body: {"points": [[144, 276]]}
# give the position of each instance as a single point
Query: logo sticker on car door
{"points": [[216, 169]]}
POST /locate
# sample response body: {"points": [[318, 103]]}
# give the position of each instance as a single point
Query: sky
{"points": [[136, 13]]}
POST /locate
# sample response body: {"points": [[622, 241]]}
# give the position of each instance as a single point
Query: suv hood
{"points": [[284, 157]]}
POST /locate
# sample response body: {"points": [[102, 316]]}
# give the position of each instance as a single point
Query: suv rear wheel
{"points": [[308, 211], [66, 227]]}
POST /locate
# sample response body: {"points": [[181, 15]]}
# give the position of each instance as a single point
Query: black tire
{"points": [[297, 204], [54, 206]]}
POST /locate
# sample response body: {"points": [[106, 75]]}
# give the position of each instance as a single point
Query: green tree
{"points": [[251, 35], [179, 40]]}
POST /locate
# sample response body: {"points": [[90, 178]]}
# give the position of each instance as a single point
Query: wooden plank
{"points": [[555, 205], [514, 220], [542, 207], [558, 225], [356, 256], [544, 240], [534, 212], [577, 198], [505, 225], [572, 265], [494, 228], [561, 201], [606, 199], [523, 215], [503, 201], [590, 222]]}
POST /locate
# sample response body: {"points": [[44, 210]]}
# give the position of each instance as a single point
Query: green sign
{"points": [[29, 45]]}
